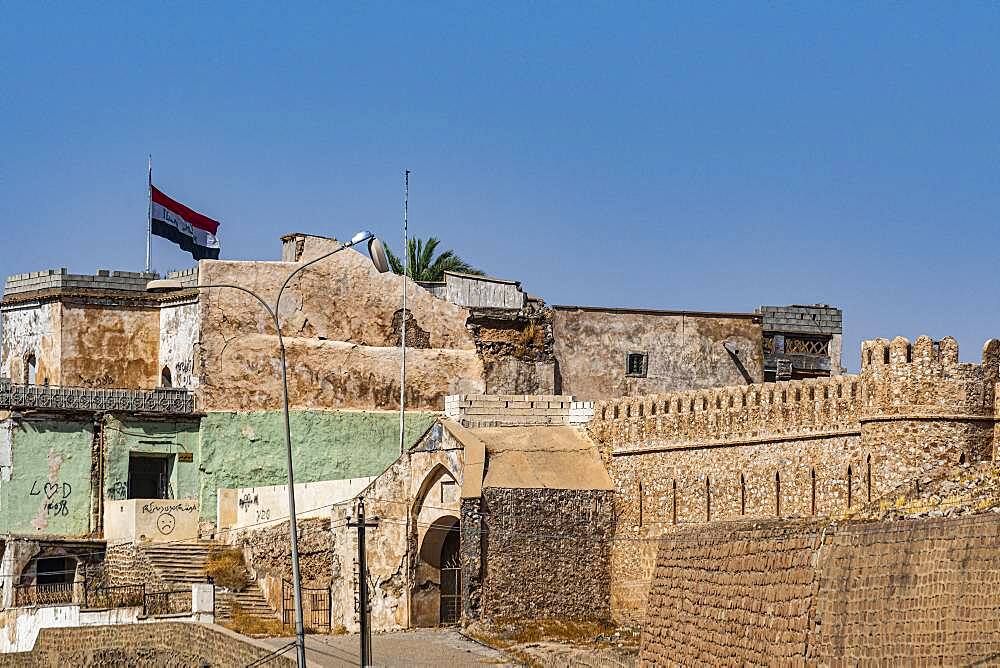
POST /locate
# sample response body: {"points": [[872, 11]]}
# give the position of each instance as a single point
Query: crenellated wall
{"points": [[800, 448]]}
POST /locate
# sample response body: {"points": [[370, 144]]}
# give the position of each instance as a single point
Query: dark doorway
{"points": [[451, 578], [148, 477], [166, 379]]}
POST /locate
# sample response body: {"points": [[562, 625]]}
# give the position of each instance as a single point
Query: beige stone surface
{"points": [[792, 449], [338, 326], [685, 350], [542, 458]]}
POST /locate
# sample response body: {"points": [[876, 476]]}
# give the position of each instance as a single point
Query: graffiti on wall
{"points": [[166, 514], [56, 496]]}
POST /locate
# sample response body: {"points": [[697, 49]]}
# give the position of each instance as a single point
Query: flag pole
{"points": [[402, 340], [149, 216]]}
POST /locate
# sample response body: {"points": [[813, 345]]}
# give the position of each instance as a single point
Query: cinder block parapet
{"points": [[480, 410]]}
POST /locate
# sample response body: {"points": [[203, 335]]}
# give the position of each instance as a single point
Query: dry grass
{"points": [[225, 566], [512, 635], [250, 625]]}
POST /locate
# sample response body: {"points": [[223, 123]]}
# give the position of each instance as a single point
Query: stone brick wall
{"points": [[546, 553], [168, 644], [914, 592], [127, 564], [506, 410], [737, 594], [801, 448]]}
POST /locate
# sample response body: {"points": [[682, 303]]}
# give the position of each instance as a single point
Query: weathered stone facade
{"points": [[790, 449], [683, 350], [546, 554], [915, 592]]}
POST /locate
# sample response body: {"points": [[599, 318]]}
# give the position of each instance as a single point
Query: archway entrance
{"points": [[438, 595], [451, 578]]}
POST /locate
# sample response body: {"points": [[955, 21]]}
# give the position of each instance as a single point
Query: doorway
{"points": [[148, 476], [451, 578]]}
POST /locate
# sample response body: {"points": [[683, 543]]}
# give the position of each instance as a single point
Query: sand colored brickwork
{"points": [[806, 448], [916, 592]]}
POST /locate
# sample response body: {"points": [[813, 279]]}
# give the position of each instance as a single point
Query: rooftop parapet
{"points": [[759, 412], [509, 410], [14, 396], [60, 279]]}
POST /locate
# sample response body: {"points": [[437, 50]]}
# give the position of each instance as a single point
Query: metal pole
{"points": [[149, 217], [363, 587], [406, 265], [293, 530]]}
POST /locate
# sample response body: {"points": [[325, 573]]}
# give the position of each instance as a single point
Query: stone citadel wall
{"points": [[800, 592], [803, 448]]}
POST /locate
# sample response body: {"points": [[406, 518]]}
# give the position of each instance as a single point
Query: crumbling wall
{"points": [[180, 329], [48, 492], [109, 346], [337, 319], [904, 593], [267, 552], [517, 349], [32, 329], [546, 554], [685, 350]]}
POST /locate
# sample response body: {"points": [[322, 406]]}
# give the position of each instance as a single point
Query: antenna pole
{"points": [[149, 215], [402, 340]]}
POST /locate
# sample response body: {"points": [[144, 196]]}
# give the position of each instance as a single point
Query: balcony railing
{"points": [[163, 400], [43, 594]]}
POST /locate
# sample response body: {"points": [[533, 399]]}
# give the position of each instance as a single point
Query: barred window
{"points": [[636, 364]]}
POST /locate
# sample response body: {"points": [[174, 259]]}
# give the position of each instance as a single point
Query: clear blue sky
{"points": [[699, 156]]}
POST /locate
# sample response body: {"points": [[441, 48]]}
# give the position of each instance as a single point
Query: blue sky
{"points": [[664, 155]]}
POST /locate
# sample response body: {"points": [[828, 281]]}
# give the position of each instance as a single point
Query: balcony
{"points": [[168, 401]]}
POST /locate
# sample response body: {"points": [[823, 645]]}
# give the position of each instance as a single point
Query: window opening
{"points": [[148, 476], [636, 364]]}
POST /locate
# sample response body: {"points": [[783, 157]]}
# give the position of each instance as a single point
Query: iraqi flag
{"points": [[186, 227]]}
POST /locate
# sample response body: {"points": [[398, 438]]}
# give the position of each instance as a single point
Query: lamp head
{"points": [[376, 251]]}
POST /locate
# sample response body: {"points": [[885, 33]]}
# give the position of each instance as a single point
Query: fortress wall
{"points": [[806, 448]]}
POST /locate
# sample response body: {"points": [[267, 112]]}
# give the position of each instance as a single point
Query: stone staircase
{"points": [[183, 564]]}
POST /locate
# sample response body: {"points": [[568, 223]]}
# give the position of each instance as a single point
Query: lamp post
{"points": [[378, 257]]}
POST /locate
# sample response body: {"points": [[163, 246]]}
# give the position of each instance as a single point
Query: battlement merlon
{"points": [[922, 382]]}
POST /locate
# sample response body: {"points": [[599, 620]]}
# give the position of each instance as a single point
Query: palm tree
{"points": [[423, 266]]}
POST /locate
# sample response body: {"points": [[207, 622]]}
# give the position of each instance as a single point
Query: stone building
{"points": [[125, 412]]}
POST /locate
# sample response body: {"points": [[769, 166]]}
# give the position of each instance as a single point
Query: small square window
{"points": [[636, 364]]}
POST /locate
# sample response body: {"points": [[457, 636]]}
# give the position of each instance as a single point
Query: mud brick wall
{"points": [[807, 448], [168, 644], [914, 592], [734, 595], [546, 553]]}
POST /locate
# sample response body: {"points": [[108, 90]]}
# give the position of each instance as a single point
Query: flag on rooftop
{"points": [[186, 227]]}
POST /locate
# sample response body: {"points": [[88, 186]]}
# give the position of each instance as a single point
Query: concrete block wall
{"points": [[104, 279], [816, 319], [506, 410], [187, 277]]}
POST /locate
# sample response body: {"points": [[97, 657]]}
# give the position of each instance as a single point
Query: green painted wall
{"points": [[248, 449], [126, 435], [49, 487]]}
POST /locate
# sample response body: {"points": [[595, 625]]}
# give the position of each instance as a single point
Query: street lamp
{"points": [[378, 257]]}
